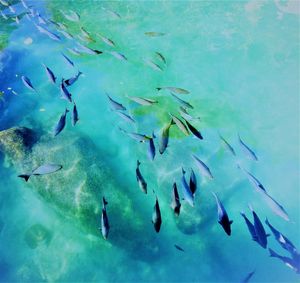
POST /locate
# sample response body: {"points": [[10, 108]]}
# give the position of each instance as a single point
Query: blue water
{"points": [[240, 62]]}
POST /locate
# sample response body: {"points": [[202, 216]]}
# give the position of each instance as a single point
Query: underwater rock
{"points": [[16, 142], [36, 235]]}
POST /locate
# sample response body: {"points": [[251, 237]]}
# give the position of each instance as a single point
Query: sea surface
{"points": [[239, 60]]}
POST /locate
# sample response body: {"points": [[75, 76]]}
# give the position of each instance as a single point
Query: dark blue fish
{"points": [[187, 193], [115, 105], [228, 146], [65, 94], [175, 200], [151, 148], [26, 81], [140, 179], [193, 130], [164, 138], [193, 182], [156, 216], [75, 117], [67, 59], [72, 80], [42, 170], [182, 102], [248, 151], [179, 248], [290, 262], [250, 226], [49, 33], [223, 218], [203, 168], [61, 123], [248, 277], [87, 50], [104, 220], [50, 74]]}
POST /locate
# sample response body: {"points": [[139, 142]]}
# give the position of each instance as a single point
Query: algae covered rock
{"points": [[37, 234]]}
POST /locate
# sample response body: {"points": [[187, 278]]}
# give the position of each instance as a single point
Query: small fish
{"points": [[204, 170], [261, 235], [118, 55], [42, 170], [125, 117], [173, 89], [50, 34], [185, 115], [65, 94], [50, 74], [175, 200], [41, 19], [66, 34], [248, 277], [187, 193], [104, 220], [74, 51], [86, 34], [290, 262], [179, 248], [228, 146], [223, 218], [181, 126], [107, 40], [113, 13], [255, 182], [250, 226], [88, 50], [140, 179], [115, 105], [161, 57], [67, 59], [153, 65], [3, 15], [136, 136], [142, 101], [248, 151], [164, 138], [61, 123], [193, 182], [151, 147], [72, 80], [182, 102], [26, 81], [75, 117], [154, 33], [156, 216], [4, 3], [193, 130], [71, 16], [277, 208]]}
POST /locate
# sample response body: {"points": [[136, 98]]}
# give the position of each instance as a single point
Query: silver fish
{"points": [[204, 170], [140, 179], [153, 65], [228, 146], [173, 89], [50, 34], [154, 33], [67, 59], [161, 57], [182, 102], [142, 101], [181, 126], [42, 170], [248, 151], [118, 55], [61, 123], [50, 74], [106, 40], [115, 105], [125, 117], [72, 16]]}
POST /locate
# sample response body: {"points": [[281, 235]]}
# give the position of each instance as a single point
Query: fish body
{"points": [[179, 248], [255, 182], [107, 40], [175, 200], [164, 138], [250, 226], [125, 117], [115, 105], [181, 126], [66, 34], [153, 65], [248, 277], [203, 168], [67, 59], [290, 262], [72, 80], [75, 117], [104, 220], [151, 148], [65, 94], [118, 55], [173, 89], [193, 182], [193, 130], [156, 217], [187, 193], [182, 102], [228, 146], [154, 33], [248, 151], [142, 101], [261, 236], [161, 57], [61, 123], [49, 33], [276, 207], [71, 16], [140, 179], [88, 50], [42, 170], [50, 74], [136, 136], [223, 218], [26, 81]]}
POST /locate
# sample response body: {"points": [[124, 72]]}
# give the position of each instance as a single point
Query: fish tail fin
{"points": [[138, 163], [183, 172], [158, 88], [250, 207], [79, 73], [67, 110], [104, 201], [25, 177], [172, 122]]}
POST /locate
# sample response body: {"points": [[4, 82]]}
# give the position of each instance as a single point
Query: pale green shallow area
{"points": [[239, 61]]}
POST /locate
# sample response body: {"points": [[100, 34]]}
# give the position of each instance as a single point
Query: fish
{"points": [[261, 235], [3, 15], [182, 102], [113, 13], [125, 116], [74, 51], [248, 151], [118, 55], [88, 50], [187, 193], [182, 127], [151, 147], [65, 94], [175, 200], [61, 123], [140, 179], [142, 101], [193, 130], [72, 80], [161, 57], [255, 182], [185, 115], [248, 277], [67, 59], [250, 226], [4, 3], [72, 16], [283, 240], [136, 136], [50, 74], [156, 216], [179, 248], [104, 220], [49, 33], [41, 19], [86, 34], [26, 81], [164, 137], [106, 40], [115, 105], [223, 218], [42, 170], [66, 34], [153, 65], [228, 146], [75, 117], [193, 182], [276, 207], [203, 168], [290, 262], [173, 89], [154, 33]]}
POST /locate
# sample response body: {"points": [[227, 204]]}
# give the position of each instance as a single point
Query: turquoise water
{"points": [[240, 62]]}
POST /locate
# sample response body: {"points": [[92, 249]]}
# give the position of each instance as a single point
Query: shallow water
{"points": [[240, 62]]}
